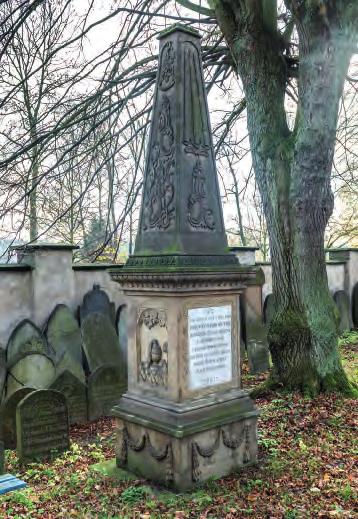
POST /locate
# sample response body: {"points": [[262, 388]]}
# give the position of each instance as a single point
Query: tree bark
{"points": [[292, 170]]}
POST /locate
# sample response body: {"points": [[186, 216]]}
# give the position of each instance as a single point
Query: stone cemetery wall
{"points": [[44, 277], [342, 274]]}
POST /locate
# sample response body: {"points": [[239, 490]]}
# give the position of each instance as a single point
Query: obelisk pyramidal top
{"points": [[181, 220]]}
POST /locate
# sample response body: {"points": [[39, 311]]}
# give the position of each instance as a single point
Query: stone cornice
{"points": [[182, 281]]}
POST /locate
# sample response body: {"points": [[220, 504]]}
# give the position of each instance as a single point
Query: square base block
{"points": [[214, 441]]}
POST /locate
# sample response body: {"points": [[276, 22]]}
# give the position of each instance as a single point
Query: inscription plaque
{"points": [[210, 342], [41, 425]]}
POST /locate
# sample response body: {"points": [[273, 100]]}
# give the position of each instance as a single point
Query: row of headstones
{"points": [[34, 358], [84, 402], [86, 363], [257, 345], [343, 306]]}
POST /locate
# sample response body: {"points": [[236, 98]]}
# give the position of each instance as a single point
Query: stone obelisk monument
{"points": [[184, 417]]}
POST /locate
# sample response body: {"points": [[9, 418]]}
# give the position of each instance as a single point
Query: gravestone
{"points": [[76, 395], [355, 305], [97, 301], [2, 371], [342, 301], [32, 370], [184, 417], [122, 322], [105, 387], [255, 334], [269, 309], [8, 416], [2, 457], [42, 425], [64, 336], [258, 354], [100, 342], [25, 339]]}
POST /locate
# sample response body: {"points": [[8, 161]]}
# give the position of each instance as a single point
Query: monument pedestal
{"points": [[184, 418]]}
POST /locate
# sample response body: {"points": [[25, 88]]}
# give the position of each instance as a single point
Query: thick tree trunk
{"points": [[292, 170]]}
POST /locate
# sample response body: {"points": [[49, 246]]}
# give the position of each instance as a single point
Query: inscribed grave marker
{"points": [[42, 425], [210, 344]]}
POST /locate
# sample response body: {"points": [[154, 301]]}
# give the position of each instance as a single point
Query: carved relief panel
{"points": [[196, 141], [152, 347], [159, 204]]}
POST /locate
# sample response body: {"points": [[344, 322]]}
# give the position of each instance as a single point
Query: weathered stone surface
{"points": [[26, 339], [355, 305], [8, 416], [34, 370], [100, 342], [181, 212], [269, 309], [342, 301], [2, 371], [2, 458], [205, 442], [42, 425], [105, 387], [122, 329], [171, 429], [76, 394], [255, 331], [64, 336], [97, 301], [258, 354]]}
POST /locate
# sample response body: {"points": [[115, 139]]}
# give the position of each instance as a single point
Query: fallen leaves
{"points": [[306, 469]]}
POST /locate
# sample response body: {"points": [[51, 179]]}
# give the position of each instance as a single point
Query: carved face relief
{"points": [[153, 347]]}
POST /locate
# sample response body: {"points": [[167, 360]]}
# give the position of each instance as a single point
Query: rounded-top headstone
{"points": [[42, 425], [342, 301], [26, 339], [63, 333], [64, 336], [34, 370], [76, 394], [269, 309], [96, 301], [8, 416]]}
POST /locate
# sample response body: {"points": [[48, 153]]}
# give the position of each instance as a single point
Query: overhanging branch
{"points": [[196, 8]]}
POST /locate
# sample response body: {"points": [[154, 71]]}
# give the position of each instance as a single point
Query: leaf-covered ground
{"points": [[306, 469]]}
